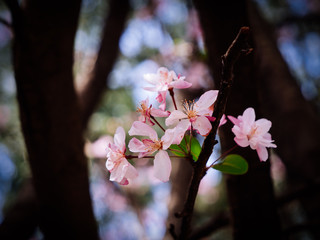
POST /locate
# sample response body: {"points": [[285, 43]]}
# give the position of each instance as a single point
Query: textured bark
{"points": [[295, 123], [49, 112], [251, 196], [296, 127], [180, 177]]}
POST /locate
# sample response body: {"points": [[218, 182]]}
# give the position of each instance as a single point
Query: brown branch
{"points": [[91, 94], [238, 47]]}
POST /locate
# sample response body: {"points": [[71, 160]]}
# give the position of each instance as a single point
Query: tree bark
{"points": [[251, 196], [49, 113]]}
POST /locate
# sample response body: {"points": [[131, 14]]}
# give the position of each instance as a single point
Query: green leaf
{"points": [[177, 150], [232, 164], [195, 148]]}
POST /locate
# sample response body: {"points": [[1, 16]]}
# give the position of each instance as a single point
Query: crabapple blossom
{"points": [[249, 132], [163, 81], [147, 112], [162, 163], [120, 169], [195, 114]]}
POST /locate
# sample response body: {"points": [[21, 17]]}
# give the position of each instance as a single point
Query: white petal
{"points": [[142, 129], [119, 139], [203, 125], [151, 78], [206, 100], [174, 117], [162, 166]]}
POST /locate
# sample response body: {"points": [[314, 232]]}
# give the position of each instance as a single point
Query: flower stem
{"points": [[173, 100], [153, 118], [223, 155]]}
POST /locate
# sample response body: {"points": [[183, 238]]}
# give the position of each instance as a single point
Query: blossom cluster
{"points": [[194, 116]]}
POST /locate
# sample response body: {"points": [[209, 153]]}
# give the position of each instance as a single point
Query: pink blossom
{"points": [[120, 169], [195, 114], [249, 132], [162, 163], [147, 111], [97, 149], [163, 81]]}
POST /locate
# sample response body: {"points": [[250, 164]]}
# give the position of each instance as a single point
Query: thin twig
{"points": [[239, 46], [173, 100], [222, 156], [155, 120]]}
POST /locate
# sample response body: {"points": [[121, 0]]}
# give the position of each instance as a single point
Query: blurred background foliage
{"points": [[158, 33]]}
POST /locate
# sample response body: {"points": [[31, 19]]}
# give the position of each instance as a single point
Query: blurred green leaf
{"points": [[232, 164]]}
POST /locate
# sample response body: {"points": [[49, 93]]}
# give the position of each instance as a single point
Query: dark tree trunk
{"points": [[296, 127], [49, 112], [251, 196]]}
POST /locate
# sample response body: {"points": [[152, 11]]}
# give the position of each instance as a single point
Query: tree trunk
{"points": [[49, 112], [251, 196]]}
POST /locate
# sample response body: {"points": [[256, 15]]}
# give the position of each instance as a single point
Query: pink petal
{"points": [[180, 130], [211, 119], [234, 120], [161, 98], [142, 129], [223, 120], [159, 113], [249, 116], [263, 125], [118, 173], [206, 100], [203, 125], [136, 145], [242, 142], [162, 166], [180, 84], [168, 138], [131, 172], [119, 139], [262, 153], [174, 117]]}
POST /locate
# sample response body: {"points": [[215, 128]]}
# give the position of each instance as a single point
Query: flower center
{"points": [[144, 110], [188, 108], [152, 146], [252, 132]]}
